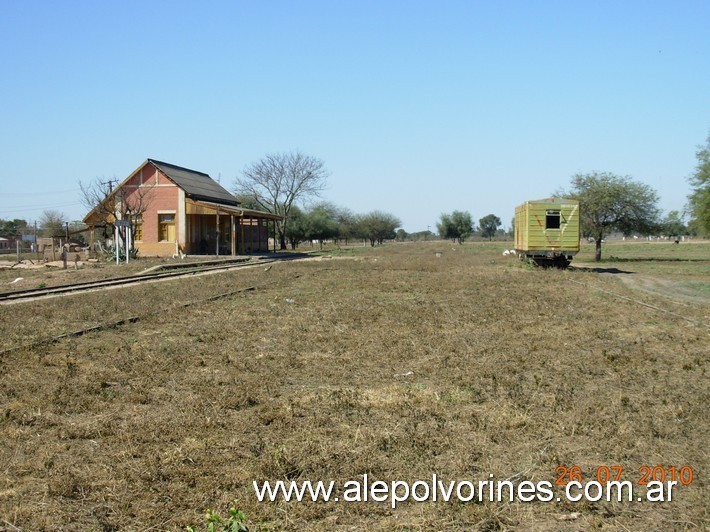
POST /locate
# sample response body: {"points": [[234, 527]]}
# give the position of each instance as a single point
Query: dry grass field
{"points": [[46, 276], [390, 362]]}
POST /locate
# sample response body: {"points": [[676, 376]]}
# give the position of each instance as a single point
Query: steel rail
{"points": [[36, 293]]}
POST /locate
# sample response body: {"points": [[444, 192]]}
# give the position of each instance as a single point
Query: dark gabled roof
{"points": [[197, 186]]}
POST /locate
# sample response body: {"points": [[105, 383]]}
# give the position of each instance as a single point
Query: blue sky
{"points": [[417, 108]]}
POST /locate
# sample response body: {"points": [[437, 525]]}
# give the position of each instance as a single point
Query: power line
{"points": [[42, 193], [24, 208]]}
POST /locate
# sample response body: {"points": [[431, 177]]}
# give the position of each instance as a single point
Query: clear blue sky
{"points": [[417, 108]]}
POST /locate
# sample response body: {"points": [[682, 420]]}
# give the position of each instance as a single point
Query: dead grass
{"points": [[514, 372], [40, 274]]}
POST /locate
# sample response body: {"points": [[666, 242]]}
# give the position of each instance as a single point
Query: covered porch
{"points": [[214, 229]]}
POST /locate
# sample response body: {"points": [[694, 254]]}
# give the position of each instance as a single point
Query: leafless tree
{"points": [[128, 202], [278, 180], [52, 223]]}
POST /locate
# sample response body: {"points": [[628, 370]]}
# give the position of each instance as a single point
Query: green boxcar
{"points": [[547, 231]]}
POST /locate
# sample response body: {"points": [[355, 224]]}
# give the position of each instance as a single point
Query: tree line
{"points": [[458, 226], [610, 203], [51, 224], [279, 182], [326, 221]]}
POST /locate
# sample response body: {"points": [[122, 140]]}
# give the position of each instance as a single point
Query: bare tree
{"points": [[128, 202], [280, 179], [52, 223]]}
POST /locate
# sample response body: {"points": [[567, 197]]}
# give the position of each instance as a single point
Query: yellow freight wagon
{"points": [[547, 231]]}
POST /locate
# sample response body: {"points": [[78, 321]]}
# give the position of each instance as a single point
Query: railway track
{"points": [[185, 270]]}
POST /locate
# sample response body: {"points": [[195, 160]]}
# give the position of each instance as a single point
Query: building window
{"points": [[552, 220], [166, 227], [138, 228]]}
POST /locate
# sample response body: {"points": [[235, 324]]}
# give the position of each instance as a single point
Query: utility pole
{"points": [[110, 183]]}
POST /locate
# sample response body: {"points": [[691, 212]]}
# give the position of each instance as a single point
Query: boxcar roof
{"points": [[560, 201]]}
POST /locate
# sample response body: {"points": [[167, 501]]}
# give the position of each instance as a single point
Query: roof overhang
{"points": [[200, 206]]}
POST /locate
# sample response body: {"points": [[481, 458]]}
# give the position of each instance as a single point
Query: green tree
{"points": [[297, 227], [489, 225], [280, 180], [377, 226], [457, 226], [347, 224], [11, 228], [613, 203], [699, 199], [673, 225], [321, 223], [445, 226]]}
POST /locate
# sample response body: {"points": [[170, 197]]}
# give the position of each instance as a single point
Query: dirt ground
{"points": [[392, 362]]}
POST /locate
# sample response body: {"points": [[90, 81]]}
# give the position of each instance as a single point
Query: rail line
{"points": [[185, 270], [643, 304]]}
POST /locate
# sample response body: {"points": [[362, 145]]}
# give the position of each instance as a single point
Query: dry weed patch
{"points": [[392, 363]]}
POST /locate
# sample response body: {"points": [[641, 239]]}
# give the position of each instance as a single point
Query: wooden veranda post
{"points": [[217, 233], [241, 223], [232, 233], [258, 229]]}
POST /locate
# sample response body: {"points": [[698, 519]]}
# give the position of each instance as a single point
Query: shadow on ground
{"points": [[599, 270], [652, 259]]}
